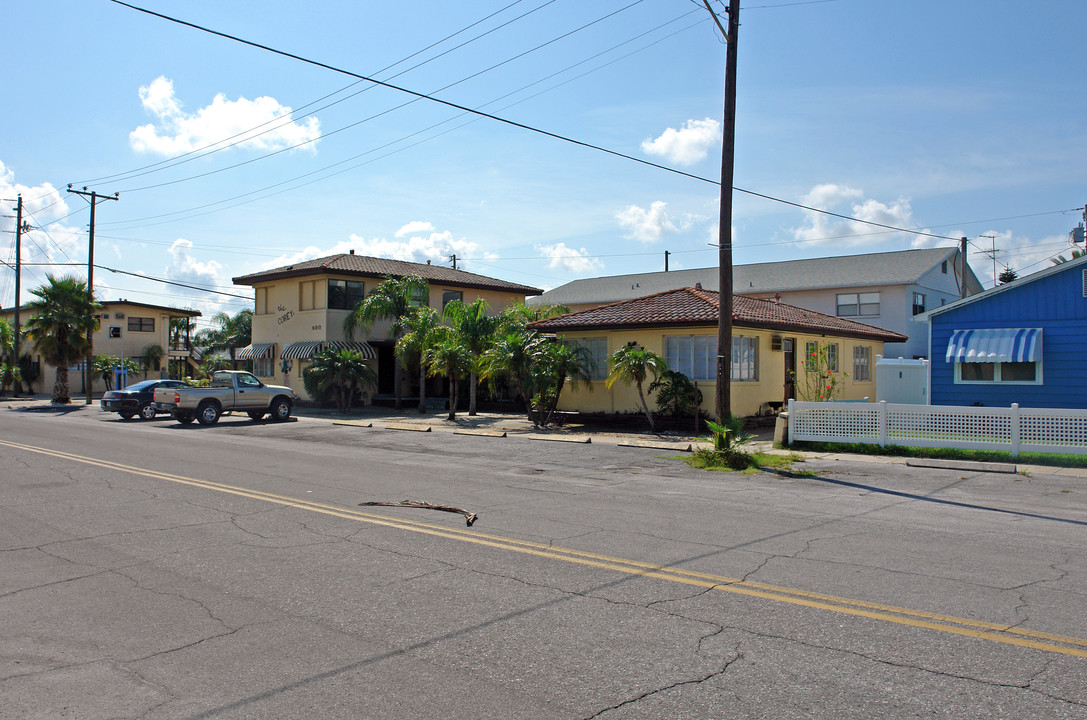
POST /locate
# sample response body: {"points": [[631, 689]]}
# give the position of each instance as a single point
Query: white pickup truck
{"points": [[230, 391]]}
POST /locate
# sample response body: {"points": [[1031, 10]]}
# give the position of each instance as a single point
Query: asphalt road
{"points": [[152, 570]]}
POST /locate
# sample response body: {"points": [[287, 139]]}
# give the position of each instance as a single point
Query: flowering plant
{"points": [[820, 381]]}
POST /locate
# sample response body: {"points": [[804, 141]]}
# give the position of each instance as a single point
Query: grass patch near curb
{"points": [[734, 460], [1001, 456]]}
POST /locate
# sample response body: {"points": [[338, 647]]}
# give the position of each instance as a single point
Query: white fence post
{"points": [[883, 423], [1015, 430]]}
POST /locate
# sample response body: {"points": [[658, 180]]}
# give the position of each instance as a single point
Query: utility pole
{"points": [[723, 404], [453, 257], [88, 371], [18, 277]]}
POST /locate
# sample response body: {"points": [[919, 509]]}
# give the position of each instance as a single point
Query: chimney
{"points": [[777, 297], [427, 262], [352, 251], [698, 286]]}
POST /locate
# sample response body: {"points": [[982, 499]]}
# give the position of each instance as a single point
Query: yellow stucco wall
{"points": [[747, 397], [296, 310]]}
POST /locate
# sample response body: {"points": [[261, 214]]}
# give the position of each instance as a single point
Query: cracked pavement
{"points": [[128, 595]]}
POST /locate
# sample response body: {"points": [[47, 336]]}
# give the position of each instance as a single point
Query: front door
{"points": [[788, 347]]}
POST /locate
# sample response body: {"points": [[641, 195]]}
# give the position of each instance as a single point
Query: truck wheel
{"points": [[255, 414], [184, 418], [281, 409], [147, 412], [208, 413]]}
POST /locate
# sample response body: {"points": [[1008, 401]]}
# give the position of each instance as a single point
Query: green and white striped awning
{"points": [[256, 351], [307, 349]]}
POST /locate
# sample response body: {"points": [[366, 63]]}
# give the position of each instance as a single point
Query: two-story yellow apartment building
{"points": [[300, 310], [126, 329], [770, 341]]}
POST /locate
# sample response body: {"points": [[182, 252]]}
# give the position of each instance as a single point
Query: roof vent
{"points": [[698, 286], [352, 251], [427, 262]]}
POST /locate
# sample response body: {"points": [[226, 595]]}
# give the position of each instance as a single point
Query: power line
{"points": [[506, 121]]}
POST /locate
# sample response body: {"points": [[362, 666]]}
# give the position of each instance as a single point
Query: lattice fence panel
{"points": [[1062, 431]]}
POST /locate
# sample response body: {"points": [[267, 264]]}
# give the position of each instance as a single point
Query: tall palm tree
{"points": [[633, 364], [231, 333], [341, 371], [418, 326], [9, 366], [476, 331], [447, 356], [392, 299], [61, 322]]}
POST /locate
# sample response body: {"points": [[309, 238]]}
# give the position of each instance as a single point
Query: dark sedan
{"points": [[136, 398]]}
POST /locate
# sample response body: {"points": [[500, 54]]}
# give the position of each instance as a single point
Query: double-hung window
{"points": [[862, 363], [693, 355], [344, 294], [858, 304], [595, 357]]}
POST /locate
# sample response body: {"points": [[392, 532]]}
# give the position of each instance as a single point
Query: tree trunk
{"points": [[472, 381], [422, 386], [452, 398], [60, 387], [645, 409]]}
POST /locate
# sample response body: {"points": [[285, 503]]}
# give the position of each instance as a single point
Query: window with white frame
{"points": [[918, 303], [858, 304], [596, 357], [745, 359], [264, 367], [811, 350], [998, 372], [862, 363], [693, 355]]}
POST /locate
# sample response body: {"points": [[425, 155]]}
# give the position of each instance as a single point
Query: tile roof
{"points": [[691, 307], [902, 267], [364, 266]]}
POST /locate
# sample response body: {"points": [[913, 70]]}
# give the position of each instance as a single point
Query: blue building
{"points": [[1022, 342]]}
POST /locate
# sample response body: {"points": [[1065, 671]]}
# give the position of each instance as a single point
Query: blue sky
{"points": [[958, 118]]}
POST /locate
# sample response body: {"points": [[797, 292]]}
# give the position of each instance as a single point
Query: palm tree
{"points": [[231, 333], [9, 367], [150, 356], [62, 320], [1061, 259], [633, 364], [419, 326], [475, 330], [447, 356], [390, 300], [342, 372], [554, 363]]}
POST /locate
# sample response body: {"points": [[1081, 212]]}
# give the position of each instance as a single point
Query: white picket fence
{"points": [[1012, 429]]}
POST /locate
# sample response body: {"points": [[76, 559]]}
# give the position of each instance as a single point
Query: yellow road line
{"points": [[979, 629]]}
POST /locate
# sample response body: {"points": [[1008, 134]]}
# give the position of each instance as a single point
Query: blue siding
{"points": [[1055, 304]]}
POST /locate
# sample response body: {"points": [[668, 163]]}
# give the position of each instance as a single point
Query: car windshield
{"points": [[143, 385]]}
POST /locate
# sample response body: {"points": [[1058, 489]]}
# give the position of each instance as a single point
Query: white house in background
{"points": [[882, 289]]}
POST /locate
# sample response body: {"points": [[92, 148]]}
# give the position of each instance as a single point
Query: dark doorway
{"points": [[386, 368], [788, 348]]}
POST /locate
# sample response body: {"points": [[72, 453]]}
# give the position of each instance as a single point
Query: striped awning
{"points": [[995, 345], [301, 350], [306, 350], [363, 347], [255, 351]]}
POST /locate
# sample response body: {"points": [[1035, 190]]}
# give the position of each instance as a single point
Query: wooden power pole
{"points": [[723, 404]]}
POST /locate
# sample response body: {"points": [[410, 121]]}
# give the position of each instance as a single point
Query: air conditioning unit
{"points": [[775, 343]]}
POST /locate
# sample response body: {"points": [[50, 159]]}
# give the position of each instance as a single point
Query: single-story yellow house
{"points": [[300, 309], [768, 338], [125, 330]]}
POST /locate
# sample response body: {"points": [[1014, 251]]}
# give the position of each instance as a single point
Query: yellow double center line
{"points": [[995, 632]]}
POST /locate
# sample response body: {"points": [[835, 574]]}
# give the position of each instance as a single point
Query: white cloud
{"points": [[688, 145], [820, 229], [568, 259], [176, 132], [183, 268], [414, 227], [647, 226]]}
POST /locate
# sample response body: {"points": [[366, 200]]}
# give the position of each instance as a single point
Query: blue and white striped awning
{"points": [[995, 345]]}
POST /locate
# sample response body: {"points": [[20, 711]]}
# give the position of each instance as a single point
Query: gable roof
{"points": [[1006, 287], [351, 264], [176, 312], [903, 267], [690, 307]]}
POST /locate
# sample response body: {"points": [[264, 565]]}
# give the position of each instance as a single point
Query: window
{"points": [[344, 294], [261, 297], [943, 267], [812, 348], [918, 303], [693, 355], [140, 324], [449, 296], [862, 363], [596, 366], [745, 358], [854, 304], [1004, 372], [264, 367], [422, 296], [307, 295]]}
